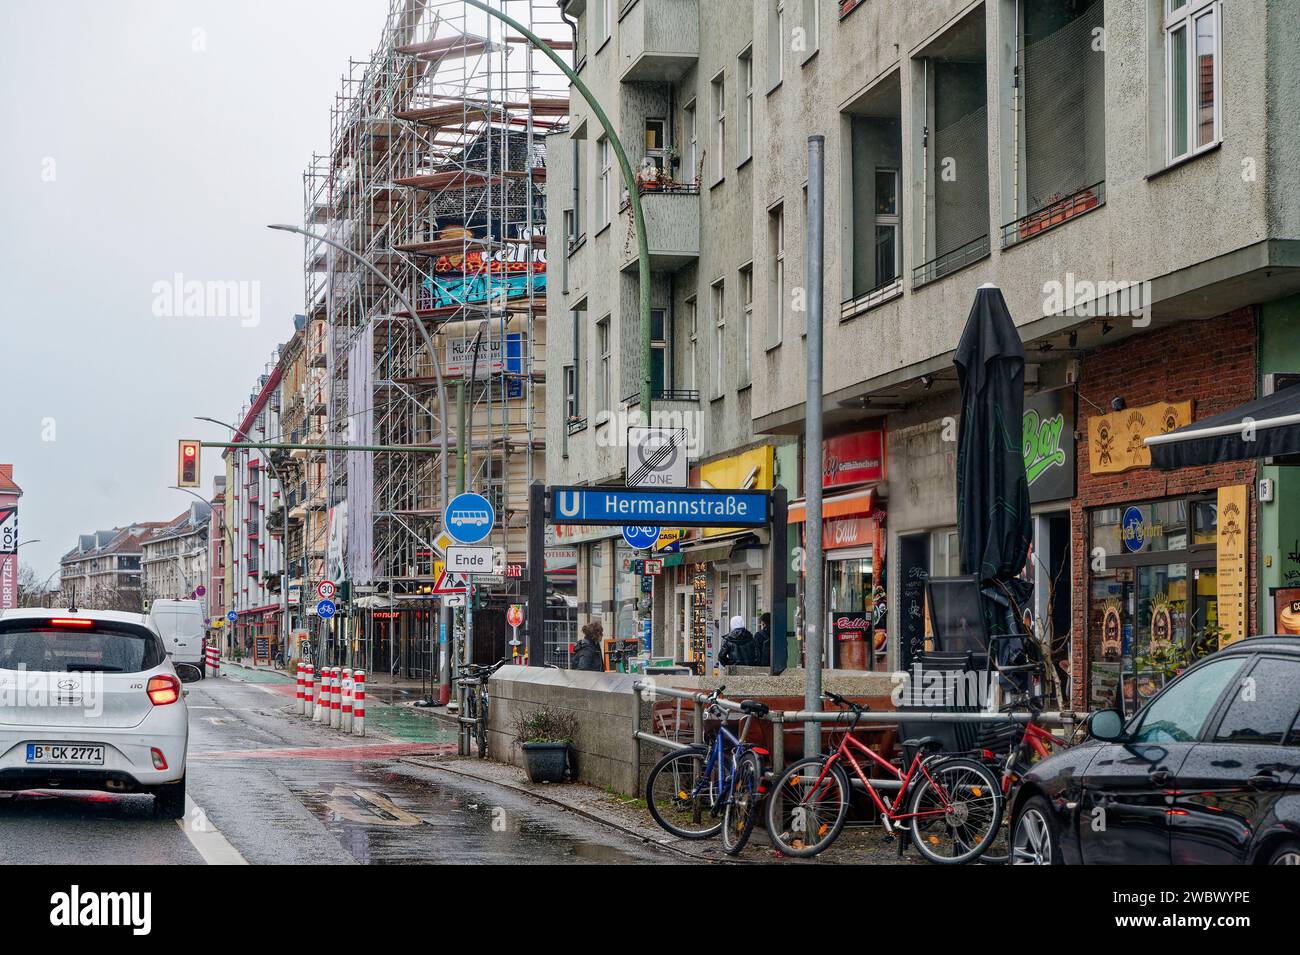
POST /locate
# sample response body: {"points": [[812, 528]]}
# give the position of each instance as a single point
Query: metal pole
{"points": [[629, 180], [814, 612]]}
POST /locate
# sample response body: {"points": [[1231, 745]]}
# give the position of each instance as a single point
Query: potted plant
{"points": [[545, 736]]}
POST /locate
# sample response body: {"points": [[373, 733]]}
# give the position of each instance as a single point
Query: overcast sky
{"points": [[139, 140]]}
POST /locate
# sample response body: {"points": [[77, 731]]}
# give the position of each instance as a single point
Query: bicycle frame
{"points": [[717, 757], [888, 811]]}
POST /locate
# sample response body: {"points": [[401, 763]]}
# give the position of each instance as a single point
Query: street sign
{"points": [[684, 507], [470, 560], [639, 537], [453, 600], [469, 518], [654, 567], [449, 584], [201, 591], [326, 590], [325, 609], [656, 457], [232, 616]]}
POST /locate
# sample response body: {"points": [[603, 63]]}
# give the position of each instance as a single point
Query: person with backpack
{"points": [[737, 645], [587, 652]]}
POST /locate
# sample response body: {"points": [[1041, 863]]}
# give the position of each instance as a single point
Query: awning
{"points": [[854, 503], [1265, 428], [373, 602], [713, 549]]}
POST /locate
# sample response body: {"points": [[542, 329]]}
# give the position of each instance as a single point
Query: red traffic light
{"points": [[188, 464]]}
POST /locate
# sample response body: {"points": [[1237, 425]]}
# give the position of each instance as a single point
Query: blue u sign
{"points": [[639, 537], [469, 518]]}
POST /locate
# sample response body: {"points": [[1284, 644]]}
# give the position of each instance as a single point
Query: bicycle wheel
{"points": [[481, 727], [804, 816], [741, 809], [678, 796], [960, 810]]}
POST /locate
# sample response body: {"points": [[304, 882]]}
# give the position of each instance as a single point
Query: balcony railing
{"points": [[1057, 212], [885, 292], [664, 394], [950, 262]]}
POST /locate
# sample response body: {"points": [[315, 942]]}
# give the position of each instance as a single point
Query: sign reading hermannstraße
{"points": [[685, 507]]}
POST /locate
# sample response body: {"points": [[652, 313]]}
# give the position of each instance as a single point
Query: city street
{"points": [[271, 789]]}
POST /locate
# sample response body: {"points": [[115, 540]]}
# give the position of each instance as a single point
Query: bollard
{"points": [[214, 660], [359, 703], [323, 700], [308, 691], [299, 699], [336, 696], [345, 707]]}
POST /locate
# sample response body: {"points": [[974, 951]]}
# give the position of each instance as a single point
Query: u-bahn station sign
{"points": [[684, 507]]}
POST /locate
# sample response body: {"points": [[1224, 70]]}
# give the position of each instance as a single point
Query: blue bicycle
{"points": [[701, 790]]}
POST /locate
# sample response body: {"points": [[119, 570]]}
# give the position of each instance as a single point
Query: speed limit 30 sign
{"points": [[326, 590]]}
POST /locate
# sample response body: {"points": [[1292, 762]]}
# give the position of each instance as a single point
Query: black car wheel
{"points": [[1286, 854], [1034, 839]]}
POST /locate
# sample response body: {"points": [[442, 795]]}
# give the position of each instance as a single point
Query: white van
{"points": [[181, 625]]}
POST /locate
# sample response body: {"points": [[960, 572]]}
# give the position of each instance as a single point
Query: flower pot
{"points": [[546, 762]]}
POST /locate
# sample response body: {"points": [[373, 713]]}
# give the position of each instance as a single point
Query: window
{"points": [[603, 203], [692, 157], [746, 65], [889, 250], [719, 127], [1264, 715], [1177, 715], [692, 342], [811, 27], [570, 392], [1191, 76], [656, 149], [747, 322], [776, 299], [776, 44], [719, 336], [602, 20], [603, 380], [659, 358]]}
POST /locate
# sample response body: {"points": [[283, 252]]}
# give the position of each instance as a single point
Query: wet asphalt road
{"points": [[268, 787]]}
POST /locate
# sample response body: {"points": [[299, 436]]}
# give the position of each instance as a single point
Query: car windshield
{"points": [[108, 647]]}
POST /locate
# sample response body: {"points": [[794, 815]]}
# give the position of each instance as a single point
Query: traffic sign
{"points": [[678, 507], [469, 518], [453, 600], [449, 584], [639, 537], [232, 616], [326, 590], [654, 568], [656, 457], [325, 609], [201, 591], [470, 560]]}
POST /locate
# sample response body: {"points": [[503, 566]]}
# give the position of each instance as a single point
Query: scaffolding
{"points": [[435, 174]]}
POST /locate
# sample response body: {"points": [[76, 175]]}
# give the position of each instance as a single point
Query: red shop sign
{"points": [[853, 458], [847, 532]]}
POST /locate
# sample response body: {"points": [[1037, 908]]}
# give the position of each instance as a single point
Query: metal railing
{"points": [[950, 262], [1056, 212]]}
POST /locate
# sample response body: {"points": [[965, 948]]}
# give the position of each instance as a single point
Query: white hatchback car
{"points": [[89, 700]]}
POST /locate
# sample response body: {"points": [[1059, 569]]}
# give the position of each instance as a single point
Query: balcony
{"points": [[672, 225], [658, 40]]}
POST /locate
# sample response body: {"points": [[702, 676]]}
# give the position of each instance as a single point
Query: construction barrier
{"points": [[308, 691], [299, 696], [359, 703], [345, 708], [336, 696], [214, 660]]}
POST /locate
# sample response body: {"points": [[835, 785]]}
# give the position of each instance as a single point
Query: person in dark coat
{"points": [[587, 653], [737, 645], [763, 641]]}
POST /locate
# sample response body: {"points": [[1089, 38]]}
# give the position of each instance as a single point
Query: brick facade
{"points": [[1215, 364]]}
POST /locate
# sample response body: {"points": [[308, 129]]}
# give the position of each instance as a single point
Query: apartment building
{"points": [[1125, 172], [219, 548], [104, 570], [174, 560]]}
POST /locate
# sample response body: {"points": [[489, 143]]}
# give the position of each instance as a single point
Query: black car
{"points": [[1208, 772]]}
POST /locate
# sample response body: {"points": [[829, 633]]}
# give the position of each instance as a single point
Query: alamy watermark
{"points": [[1106, 298], [179, 297]]}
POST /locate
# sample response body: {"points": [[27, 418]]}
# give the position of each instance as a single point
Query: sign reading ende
{"points": [[687, 507]]}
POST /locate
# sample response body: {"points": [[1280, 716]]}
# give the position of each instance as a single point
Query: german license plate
{"points": [[65, 753]]}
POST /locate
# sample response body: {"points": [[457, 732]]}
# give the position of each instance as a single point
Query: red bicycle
{"points": [[953, 804]]}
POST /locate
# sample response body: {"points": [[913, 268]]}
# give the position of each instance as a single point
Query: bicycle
{"points": [[701, 790], [954, 804], [474, 677]]}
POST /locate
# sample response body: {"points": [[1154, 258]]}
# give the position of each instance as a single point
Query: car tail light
{"points": [[159, 760], [163, 690], [71, 622]]}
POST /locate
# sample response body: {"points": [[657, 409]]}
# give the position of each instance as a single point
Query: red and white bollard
{"points": [[214, 660], [299, 699], [308, 690], [345, 707], [336, 696], [359, 703], [322, 714]]}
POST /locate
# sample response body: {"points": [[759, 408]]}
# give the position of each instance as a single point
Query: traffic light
{"points": [[187, 467]]}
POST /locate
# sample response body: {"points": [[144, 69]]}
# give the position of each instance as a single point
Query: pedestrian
{"points": [[763, 641], [587, 652], [737, 645]]}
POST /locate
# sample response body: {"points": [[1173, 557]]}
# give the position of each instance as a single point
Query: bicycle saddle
{"points": [[923, 743], [754, 707]]}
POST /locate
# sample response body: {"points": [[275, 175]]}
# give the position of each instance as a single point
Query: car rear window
{"points": [[109, 647]]}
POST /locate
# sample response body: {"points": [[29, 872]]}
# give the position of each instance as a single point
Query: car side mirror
{"points": [[1106, 725], [188, 672]]}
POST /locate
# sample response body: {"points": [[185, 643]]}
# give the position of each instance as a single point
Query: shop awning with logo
{"points": [[853, 504], [1265, 428]]}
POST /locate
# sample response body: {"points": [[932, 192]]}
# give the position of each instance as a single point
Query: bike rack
{"points": [[1054, 719]]}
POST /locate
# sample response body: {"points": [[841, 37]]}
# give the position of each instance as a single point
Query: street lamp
{"points": [[284, 546]]}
